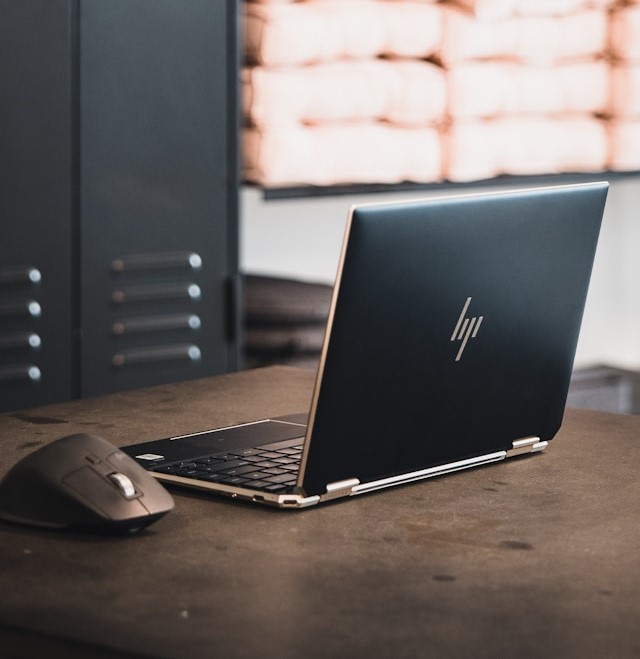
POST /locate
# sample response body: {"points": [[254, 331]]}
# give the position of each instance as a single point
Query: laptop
{"points": [[449, 344]]}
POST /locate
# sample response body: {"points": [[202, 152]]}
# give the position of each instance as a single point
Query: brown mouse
{"points": [[82, 481]]}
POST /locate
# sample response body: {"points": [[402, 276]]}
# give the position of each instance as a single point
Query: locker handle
{"points": [[20, 340], [182, 352], [25, 372], [160, 260], [125, 294], [24, 275], [156, 323], [21, 308]]}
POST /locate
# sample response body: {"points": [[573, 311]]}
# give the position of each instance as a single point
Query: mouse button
{"points": [[102, 496], [50, 462], [118, 458]]}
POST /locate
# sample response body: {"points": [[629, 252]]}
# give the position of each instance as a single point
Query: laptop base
{"points": [[287, 494]]}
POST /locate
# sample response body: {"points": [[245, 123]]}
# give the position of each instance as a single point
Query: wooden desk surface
{"points": [[538, 556]]}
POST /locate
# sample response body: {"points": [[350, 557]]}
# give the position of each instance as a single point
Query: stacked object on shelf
{"points": [[285, 321], [388, 91], [625, 87], [492, 9], [339, 92], [527, 91]]}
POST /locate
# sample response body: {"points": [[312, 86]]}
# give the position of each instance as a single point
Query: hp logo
{"points": [[465, 328]]}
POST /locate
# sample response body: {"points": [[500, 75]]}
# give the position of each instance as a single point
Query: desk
{"points": [[537, 556]]}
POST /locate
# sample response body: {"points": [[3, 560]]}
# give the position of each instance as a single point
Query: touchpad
{"points": [[246, 436]]}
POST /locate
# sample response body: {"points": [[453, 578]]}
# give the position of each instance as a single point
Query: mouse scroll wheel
{"points": [[124, 484]]}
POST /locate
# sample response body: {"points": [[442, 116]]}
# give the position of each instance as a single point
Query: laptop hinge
{"points": [[340, 488], [526, 445]]}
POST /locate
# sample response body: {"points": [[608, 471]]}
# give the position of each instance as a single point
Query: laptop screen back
{"points": [[453, 330]]}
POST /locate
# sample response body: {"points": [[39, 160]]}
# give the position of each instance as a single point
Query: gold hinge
{"points": [[341, 488], [526, 445]]}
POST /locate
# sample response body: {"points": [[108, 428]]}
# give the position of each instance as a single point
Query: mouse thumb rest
{"points": [[43, 506]]}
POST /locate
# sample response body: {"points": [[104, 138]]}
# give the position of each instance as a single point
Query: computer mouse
{"points": [[82, 481]]}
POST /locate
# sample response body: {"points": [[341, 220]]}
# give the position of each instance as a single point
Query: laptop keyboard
{"points": [[271, 468]]}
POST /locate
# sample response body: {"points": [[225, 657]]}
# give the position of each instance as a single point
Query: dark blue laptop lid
{"points": [[453, 330]]}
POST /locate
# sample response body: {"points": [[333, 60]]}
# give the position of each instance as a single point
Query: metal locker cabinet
{"points": [[118, 195]]}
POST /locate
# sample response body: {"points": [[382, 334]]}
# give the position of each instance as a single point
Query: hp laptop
{"points": [[449, 344]]}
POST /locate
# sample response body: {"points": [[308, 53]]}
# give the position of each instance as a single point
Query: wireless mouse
{"points": [[82, 481]]}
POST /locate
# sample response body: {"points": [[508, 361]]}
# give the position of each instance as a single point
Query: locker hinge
{"points": [[233, 308]]}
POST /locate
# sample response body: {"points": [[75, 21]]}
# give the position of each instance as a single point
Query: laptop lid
{"points": [[452, 331]]}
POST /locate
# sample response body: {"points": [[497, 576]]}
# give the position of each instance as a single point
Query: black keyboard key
{"points": [[231, 472], [288, 479], [287, 443], [291, 451], [223, 457], [256, 460], [166, 469], [232, 464], [276, 471], [234, 480], [257, 484], [267, 455], [184, 473], [210, 464], [255, 475], [287, 461], [245, 453], [241, 470], [213, 478], [276, 487]]}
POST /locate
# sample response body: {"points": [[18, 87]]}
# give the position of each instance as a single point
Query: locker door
{"points": [[36, 205], [159, 187]]}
